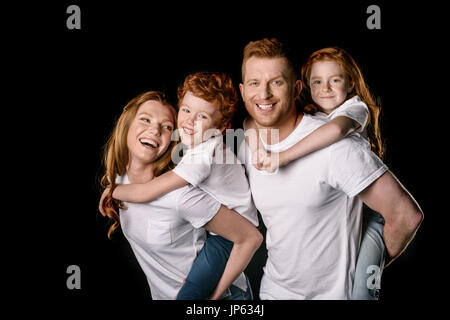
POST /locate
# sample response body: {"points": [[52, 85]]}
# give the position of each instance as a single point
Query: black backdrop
{"points": [[85, 77]]}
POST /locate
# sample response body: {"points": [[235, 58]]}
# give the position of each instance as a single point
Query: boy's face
{"points": [[269, 90], [329, 87], [197, 120]]}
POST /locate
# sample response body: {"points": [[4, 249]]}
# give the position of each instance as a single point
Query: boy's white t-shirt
{"points": [[312, 215], [166, 236], [214, 168]]}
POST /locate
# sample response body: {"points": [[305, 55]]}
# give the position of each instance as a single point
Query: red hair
{"points": [[116, 154], [213, 87], [360, 88], [267, 48]]}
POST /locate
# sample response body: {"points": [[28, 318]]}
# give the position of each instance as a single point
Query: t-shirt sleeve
{"points": [[194, 168], [354, 109], [353, 166], [196, 206]]}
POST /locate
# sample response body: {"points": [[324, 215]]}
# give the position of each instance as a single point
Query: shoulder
{"points": [[354, 153], [354, 141]]}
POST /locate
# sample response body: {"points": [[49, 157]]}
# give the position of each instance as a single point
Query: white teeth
{"points": [[265, 106], [188, 131], [148, 143]]}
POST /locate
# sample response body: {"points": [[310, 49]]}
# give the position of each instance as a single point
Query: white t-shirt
{"points": [[312, 215], [214, 168], [165, 236], [352, 108]]}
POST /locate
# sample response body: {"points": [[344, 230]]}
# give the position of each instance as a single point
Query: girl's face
{"points": [[150, 131], [197, 120], [329, 87]]}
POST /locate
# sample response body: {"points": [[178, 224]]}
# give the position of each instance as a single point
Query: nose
{"points": [[155, 128], [265, 91], [326, 86], [189, 118]]}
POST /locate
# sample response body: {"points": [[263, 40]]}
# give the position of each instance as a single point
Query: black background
{"points": [[79, 81]]}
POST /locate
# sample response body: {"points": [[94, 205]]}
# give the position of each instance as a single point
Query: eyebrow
{"points": [[150, 116], [201, 110], [282, 76], [333, 75]]}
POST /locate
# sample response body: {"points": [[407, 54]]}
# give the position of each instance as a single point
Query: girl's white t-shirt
{"points": [[312, 215], [352, 108]]}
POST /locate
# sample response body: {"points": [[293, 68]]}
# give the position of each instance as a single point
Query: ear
{"points": [[298, 86], [241, 89], [351, 86]]}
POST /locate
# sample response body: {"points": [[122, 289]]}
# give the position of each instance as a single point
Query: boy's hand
{"points": [[102, 199]]}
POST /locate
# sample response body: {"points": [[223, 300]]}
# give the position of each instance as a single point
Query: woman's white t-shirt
{"points": [[165, 235]]}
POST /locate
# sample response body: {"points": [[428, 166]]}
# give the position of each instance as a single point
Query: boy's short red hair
{"points": [[214, 87]]}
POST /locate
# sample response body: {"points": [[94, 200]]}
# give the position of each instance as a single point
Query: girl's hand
{"points": [[267, 161]]}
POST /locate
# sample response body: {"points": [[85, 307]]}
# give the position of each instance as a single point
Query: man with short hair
{"points": [[312, 207]]}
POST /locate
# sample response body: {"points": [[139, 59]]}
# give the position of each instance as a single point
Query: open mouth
{"points": [[149, 143], [265, 107], [187, 131]]}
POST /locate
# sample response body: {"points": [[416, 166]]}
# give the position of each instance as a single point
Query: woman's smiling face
{"points": [[150, 132]]}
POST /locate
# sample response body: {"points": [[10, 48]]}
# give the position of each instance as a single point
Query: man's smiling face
{"points": [[268, 91]]}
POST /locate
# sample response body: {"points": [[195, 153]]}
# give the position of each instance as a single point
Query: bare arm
{"points": [[400, 211], [325, 135], [246, 238], [322, 137], [145, 192]]}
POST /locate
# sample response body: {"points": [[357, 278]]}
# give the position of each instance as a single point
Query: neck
{"points": [[284, 129], [139, 172]]}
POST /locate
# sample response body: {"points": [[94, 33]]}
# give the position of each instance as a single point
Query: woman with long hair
{"points": [[166, 234]]}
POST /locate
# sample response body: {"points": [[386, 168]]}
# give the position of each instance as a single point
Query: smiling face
{"points": [[329, 86], [269, 90], [197, 120], [150, 132]]}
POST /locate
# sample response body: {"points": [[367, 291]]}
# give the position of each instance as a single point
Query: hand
{"points": [[102, 199], [264, 160]]}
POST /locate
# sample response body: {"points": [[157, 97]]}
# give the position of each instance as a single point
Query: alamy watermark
{"points": [[74, 279], [233, 139]]}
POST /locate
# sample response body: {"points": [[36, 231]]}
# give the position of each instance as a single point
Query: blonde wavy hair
{"points": [[116, 154]]}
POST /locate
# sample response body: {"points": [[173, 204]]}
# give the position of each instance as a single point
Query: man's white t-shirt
{"points": [[312, 215], [165, 235]]}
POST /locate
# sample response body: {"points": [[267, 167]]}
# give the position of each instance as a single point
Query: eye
{"points": [[168, 127], [253, 83], [186, 110], [277, 82], [144, 119], [202, 116], [316, 82]]}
